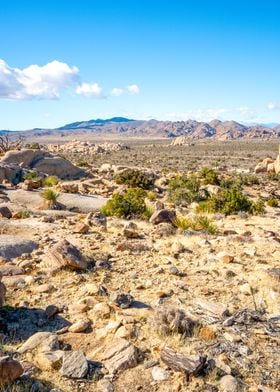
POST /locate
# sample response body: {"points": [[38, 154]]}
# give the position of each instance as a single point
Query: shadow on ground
{"points": [[18, 324]]}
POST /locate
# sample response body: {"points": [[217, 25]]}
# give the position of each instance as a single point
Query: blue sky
{"points": [[70, 60]]}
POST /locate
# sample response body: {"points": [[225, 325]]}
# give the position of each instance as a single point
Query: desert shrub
{"points": [[125, 205], [22, 214], [258, 207], [274, 177], [134, 178], [50, 181], [50, 195], [172, 321], [32, 175], [151, 196], [209, 176], [272, 202], [148, 212], [248, 179], [33, 146], [182, 189], [82, 164], [197, 223], [228, 201]]}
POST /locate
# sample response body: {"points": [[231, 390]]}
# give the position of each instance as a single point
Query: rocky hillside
{"points": [[191, 129]]}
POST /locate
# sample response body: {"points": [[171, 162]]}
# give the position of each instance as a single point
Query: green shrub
{"points": [[22, 214], [82, 164], [50, 181], [209, 176], [197, 223], [272, 202], [227, 201], [126, 205], [258, 207], [151, 196], [134, 178], [50, 195], [32, 176], [182, 189]]}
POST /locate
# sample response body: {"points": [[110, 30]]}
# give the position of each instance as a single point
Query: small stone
{"points": [[51, 310], [229, 384], [121, 299], [10, 370], [80, 325], [159, 374], [74, 364]]}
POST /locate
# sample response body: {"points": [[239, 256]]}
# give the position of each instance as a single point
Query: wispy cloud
{"points": [[133, 89], [116, 92], [34, 81], [273, 106], [89, 90]]}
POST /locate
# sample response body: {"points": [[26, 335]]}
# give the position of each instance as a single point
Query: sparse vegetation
{"points": [[197, 223], [227, 201], [50, 195], [185, 190], [126, 205], [134, 178], [50, 181], [272, 202]]}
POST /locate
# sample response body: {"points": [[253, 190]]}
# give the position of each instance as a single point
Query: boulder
{"points": [[10, 370], [5, 212], [163, 216], [42, 162], [74, 364], [121, 355], [66, 255], [96, 219], [10, 173]]}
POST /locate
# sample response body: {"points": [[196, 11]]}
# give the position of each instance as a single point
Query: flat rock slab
{"points": [[14, 246], [32, 200], [74, 365]]}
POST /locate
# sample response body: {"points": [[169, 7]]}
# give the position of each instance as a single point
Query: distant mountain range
{"points": [[191, 129]]}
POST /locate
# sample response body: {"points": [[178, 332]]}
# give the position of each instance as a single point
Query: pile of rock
{"points": [[181, 141], [14, 162], [86, 147], [268, 165]]}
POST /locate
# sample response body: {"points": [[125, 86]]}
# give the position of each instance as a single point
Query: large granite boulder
{"points": [[42, 162], [11, 173]]}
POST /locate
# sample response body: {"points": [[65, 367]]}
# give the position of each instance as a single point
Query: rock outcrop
{"points": [[40, 161], [269, 165]]}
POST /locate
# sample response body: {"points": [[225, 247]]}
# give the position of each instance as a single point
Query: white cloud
{"points": [[133, 89], [89, 90], [34, 81], [116, 92], [273, 106]]}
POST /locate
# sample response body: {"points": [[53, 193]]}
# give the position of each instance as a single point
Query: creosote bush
{"points": [[230, 202], [50, 181], [183, 189], [209, 176], [126, 205], [32, 175], [134, 178]]}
